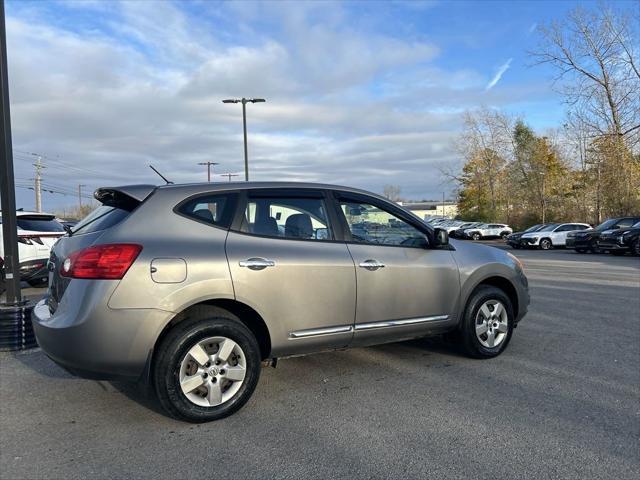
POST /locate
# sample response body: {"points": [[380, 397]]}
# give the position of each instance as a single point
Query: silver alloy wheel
{"points": [[545, 244], [492, 323], [212, 371]]}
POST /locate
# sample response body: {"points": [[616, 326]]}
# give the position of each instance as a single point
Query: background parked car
{"points": [[584, 242], [37, 232], [459, 233], [551, 235], [513, 240], [491, 230], [621, 241]]}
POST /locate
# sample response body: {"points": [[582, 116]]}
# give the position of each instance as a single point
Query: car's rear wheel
{"points": [[206, 368], [545, 244], [504, 235], [488, 322]]}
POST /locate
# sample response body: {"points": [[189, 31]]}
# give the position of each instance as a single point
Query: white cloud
{"points": [[501, 70]]}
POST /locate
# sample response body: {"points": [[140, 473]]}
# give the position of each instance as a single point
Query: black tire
{"points": [[635, 247], [515, 247], [504, 235], [476, 236], [594, 247], [581, 250], [467, 334], [545, 244], [203, 322]]}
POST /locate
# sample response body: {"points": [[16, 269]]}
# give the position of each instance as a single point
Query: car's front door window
{"points": [[370, 224]]}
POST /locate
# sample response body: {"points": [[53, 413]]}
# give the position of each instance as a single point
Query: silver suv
{"points": [[191, 287]]}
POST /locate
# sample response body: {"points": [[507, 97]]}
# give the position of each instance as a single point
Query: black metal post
{"points": [[7, 186]]}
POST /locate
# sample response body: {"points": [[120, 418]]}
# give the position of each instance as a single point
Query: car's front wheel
{"points": [[476, 236], [488, 322], [206, 368], [545, 244]]}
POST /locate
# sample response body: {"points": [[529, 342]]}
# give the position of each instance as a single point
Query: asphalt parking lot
{"points": [[562, 402]]}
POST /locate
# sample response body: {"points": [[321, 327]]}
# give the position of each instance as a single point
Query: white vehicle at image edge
{"points": [[488, 230], [37, 232], [553, 235]]}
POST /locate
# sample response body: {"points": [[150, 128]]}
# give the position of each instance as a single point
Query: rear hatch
{"points": [[116, 205], [40, 231]]}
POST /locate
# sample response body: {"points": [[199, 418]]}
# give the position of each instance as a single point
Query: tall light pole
{"points": [[209, 165], [38, 183], [244, 102]]}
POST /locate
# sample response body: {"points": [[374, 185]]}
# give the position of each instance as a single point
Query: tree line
{"points": [[587, 169]]}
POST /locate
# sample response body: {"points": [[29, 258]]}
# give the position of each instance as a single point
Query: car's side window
{"points": [[287, 217], [624, 223], [370, 224], [212, 209], [564, 228]]}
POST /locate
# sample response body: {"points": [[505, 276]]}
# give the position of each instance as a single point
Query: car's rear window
{"points": [[101, 218], [213, 209], [36, 223]]}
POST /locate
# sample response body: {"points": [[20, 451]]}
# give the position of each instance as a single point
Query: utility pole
{"points": [[38, 183], [443, 204], [80, 199], [229, 175], [244, 102], [209, 165]]}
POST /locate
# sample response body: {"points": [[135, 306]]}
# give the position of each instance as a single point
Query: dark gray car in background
{"points": [[191, 287]]}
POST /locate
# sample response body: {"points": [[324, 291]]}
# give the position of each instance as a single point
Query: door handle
{"points": [[371, 264], [257, 263]]}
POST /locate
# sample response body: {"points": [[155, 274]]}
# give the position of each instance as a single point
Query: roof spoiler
{"points": [[127, 197]]}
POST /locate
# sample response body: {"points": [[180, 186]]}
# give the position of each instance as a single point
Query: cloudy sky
{"points": [[360, 93]]}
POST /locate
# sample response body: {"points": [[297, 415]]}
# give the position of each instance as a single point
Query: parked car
{"points": [[457, 226], [513, 240], [621, 241], [190, 287], [588, 241], [37, 232], [459, 232], [491, 230], [551, 235]]}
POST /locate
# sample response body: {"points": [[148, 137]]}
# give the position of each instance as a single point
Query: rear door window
{"points": [[101, 218], [292, 217]]}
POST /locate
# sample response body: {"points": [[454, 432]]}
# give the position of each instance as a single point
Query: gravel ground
{"points": [[562, 402]]}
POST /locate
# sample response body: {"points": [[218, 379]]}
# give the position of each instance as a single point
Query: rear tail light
{"points": [[101, 262]]}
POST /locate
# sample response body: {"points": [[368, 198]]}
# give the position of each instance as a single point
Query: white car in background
{"points": [[488, 230], [553, 235], [37, 232]]}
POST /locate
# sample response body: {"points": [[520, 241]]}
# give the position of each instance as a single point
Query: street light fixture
{"points": [[244, 102]]}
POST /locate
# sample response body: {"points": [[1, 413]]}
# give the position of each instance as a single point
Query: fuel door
{"points": [[168, 270]]}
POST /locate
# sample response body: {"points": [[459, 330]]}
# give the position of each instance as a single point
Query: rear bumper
{"points": [[96, 342]]}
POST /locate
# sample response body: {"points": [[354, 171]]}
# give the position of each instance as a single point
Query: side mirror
{"points": [[322, 233], [441, 237]]}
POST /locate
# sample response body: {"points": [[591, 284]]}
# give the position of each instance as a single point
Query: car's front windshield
{"points": [[606, 224], [636, 225], [549, 227], [533, 228]]}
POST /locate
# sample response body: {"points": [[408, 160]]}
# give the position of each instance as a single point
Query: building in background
{"points": [[426, 210]]}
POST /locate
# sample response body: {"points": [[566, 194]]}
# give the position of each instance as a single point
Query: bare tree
{"points": [[594, 55], [392, 192]]}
